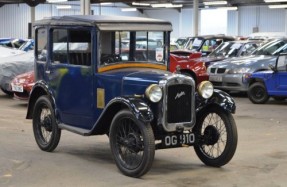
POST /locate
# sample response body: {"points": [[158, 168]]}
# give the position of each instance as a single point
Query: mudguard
{"points": [[136, 105], [40, 88], [219, 98]]}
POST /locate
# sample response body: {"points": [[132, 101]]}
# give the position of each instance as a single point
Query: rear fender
{"points": [[40, 88]]}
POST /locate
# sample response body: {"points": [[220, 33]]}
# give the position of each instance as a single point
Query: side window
{"points": [[41, 44], [72, 47], [60, 46], [282, 63]]}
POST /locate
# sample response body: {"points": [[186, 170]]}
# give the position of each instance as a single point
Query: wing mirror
{"points": [[273, 68]]}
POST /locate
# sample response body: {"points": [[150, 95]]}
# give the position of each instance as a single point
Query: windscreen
{"points": [[132, 46]]}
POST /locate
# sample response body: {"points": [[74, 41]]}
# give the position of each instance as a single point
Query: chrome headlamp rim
{"points": [[154, 93], [205, 89]]}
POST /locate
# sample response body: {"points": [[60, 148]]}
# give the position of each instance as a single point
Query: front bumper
{"points": [[230, 82]]}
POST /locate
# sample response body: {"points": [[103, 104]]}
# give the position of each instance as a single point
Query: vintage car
{"points": [[22, 85], [231, 49], [206, 43], [234, 74], [11, 66], [268, 83], [138, 103]]}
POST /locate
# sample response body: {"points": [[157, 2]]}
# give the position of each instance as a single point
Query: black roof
{"points": [[108, 22]]}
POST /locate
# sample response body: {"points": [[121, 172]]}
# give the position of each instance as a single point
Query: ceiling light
{"points": [[64, 7], [128, 9], [274, 1], [277, 6], [215, 3], [228, 8], [140, 4], [166, 5], [105, 3]]}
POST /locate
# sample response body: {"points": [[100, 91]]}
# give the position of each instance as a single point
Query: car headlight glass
{"points": [[205, 89], [154, 93], [239, 70]]}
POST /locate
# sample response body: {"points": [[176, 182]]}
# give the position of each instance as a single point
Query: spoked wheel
{"points": [[132, 144], [257, 93], [46, 131], [217, 134]]}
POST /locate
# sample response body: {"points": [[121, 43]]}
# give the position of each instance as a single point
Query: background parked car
{"points": [[231, 49], [207, 43], [272, 83], [233, 74], [12, 66], [187, 64], [22, 85]]}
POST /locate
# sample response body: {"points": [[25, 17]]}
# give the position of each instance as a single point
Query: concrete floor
{"points": [[260, 159]]}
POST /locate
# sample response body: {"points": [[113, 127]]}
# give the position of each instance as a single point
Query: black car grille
{"points": [[179, 103], [221, 70], [217, 70]]}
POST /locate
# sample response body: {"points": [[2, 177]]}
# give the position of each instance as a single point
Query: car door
{"points": [[70, 75], [281, 76]]}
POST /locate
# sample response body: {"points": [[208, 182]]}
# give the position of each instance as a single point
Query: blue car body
{"points": [[275, 82]]}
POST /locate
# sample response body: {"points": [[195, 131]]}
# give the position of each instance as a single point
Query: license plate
{"points": [[215, 78], [178, 140], [17, 88]]}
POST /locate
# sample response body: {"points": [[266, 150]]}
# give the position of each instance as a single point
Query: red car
{"points": [[188, 63], [22, 84]]}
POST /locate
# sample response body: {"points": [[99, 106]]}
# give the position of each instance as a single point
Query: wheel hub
{"points": [[132, 142], [211, 135], [47, 123]]}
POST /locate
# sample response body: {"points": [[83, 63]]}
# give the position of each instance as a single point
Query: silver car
{"points": [[233, 74]]}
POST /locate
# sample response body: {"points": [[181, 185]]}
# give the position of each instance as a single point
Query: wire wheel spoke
{"points": [[215, 136], [129, 143], [45, 125]]}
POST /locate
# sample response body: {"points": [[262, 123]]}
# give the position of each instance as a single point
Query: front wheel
{"points": [[217, 137], [46, 131], [257, 93], [132, 144]]}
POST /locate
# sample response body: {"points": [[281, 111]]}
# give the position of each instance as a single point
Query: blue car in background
{"points": [[268, 83]]}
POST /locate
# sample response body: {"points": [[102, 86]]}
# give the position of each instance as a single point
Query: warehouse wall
{"points": [[15, 18], [256, 18]]}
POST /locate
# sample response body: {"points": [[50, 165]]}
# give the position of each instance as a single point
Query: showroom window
{"points": [[71, 47]]}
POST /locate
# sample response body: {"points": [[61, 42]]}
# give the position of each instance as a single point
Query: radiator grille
{"points": [[179, 103]]}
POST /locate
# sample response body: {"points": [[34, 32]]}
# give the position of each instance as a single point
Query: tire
{"points": [[257, 93], [217, 137], [46, 131], [7, 92], [132, 144]]}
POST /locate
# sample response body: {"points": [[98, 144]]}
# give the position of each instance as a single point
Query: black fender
{"points": [[40, 88], [219, 98], [136, 105]]}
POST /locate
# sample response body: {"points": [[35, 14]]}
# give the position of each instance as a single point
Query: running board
{"points": [[83, 132]]}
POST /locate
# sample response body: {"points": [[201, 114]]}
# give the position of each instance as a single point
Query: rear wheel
{"points": [[132, 144], [257, 93], [46, 131], [217, 134]]}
